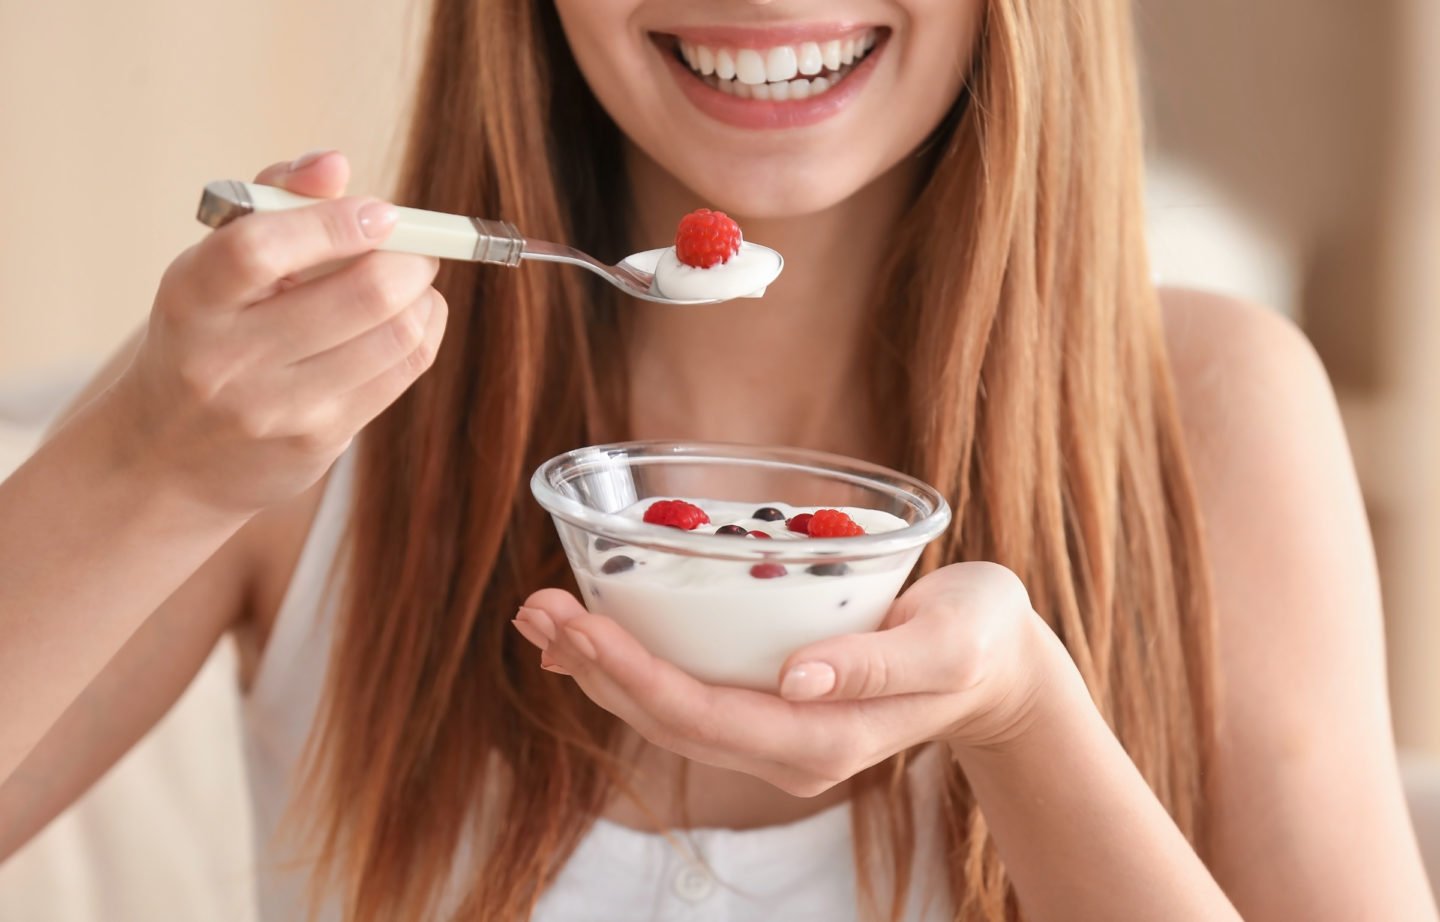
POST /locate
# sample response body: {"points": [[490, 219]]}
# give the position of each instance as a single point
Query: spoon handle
{"points": [[424, 233]]}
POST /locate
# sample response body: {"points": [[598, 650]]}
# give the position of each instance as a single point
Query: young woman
{"points": [[1141, 678]]}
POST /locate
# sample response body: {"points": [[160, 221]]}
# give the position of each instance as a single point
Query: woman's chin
{"points": [[769, 194]]}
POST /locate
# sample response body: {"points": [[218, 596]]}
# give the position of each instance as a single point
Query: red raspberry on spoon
{"points": [[706, 239]]}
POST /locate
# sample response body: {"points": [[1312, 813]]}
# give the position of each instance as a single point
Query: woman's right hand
{"points": [[255, 373]]}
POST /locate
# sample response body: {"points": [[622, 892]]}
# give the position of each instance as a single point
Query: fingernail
{"points": [[528, 631], [309, 157], [808, 680], [581, 643], [537, 619], [549, 665], [377, 218]]}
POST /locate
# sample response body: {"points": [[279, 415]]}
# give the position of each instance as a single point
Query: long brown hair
{"points": [[1025, 345]]}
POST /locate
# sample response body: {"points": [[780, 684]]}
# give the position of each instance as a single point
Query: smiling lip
{"points": [[759, 113]]}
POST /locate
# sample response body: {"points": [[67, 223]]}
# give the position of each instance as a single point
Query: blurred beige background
{"points": [[115, 116], [1294, 142]]}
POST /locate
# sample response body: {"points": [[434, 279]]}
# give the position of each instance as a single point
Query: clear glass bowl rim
{"points": [[690, 544]]}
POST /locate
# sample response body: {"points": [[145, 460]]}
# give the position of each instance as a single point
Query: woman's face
{"points": [[774, 109]]}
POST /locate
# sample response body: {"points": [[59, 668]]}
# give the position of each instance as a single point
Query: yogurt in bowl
{"points": [[729, 598]]}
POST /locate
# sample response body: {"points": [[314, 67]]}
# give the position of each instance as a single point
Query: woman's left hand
{"points": [[962, 658]]}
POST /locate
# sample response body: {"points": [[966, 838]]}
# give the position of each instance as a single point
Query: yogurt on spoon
{"points": [[710, 261]]}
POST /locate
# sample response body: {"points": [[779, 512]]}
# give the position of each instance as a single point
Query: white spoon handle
{"points": [[424, 233]]}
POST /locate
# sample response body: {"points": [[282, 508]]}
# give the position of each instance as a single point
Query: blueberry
{"points": [[735, 530], [828, 569], [768, 514], [618, 564], [605, 544]]}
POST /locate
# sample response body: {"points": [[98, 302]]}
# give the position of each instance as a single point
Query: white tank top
{"points": [[799, 872]]}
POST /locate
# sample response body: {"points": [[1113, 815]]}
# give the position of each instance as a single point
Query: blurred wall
{"points": [[116, 114], [1321, 120]]}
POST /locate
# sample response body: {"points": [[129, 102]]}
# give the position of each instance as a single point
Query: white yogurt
{"points": [[745, 275], [715, 620]]}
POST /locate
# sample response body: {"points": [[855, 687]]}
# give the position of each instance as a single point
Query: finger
{"points": [[543, 620], [245, 260], [328, 312], [817, 745], [317, 173], [353, 363], [734, 720], [902, 660], [563, 656], [939, 637], [370, 399], [551, 608], [926, 649]]}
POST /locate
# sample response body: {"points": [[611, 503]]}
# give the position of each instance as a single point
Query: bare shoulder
{"points": [[1306, 777], [1222, 349], [1277, 489], [1266, 444]]}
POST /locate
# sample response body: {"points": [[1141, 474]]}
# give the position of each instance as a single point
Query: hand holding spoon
{"points": [[449, 236]]}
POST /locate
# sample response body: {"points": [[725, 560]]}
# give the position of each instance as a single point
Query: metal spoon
{"points": [[448, 236]]}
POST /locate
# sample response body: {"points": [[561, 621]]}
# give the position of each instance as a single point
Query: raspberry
{"points": [[767, 570], [800, 523], [832, 523], [706, 239], [677, 514]]}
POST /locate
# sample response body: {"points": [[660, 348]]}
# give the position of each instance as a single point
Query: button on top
{"points": [[694, 884]]}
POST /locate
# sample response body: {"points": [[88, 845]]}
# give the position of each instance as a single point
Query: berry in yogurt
{"points": [[832, 523], [676, 513], [617, 564], [799, 523]]}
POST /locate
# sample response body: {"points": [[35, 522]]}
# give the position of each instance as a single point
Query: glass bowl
{"points": [[690, 596]]}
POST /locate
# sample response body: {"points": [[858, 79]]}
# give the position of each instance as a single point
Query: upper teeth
{"points": [[781, 64]]}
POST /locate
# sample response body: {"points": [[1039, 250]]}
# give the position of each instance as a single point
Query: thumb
{"points": [[318, 174], [911, 657]]}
